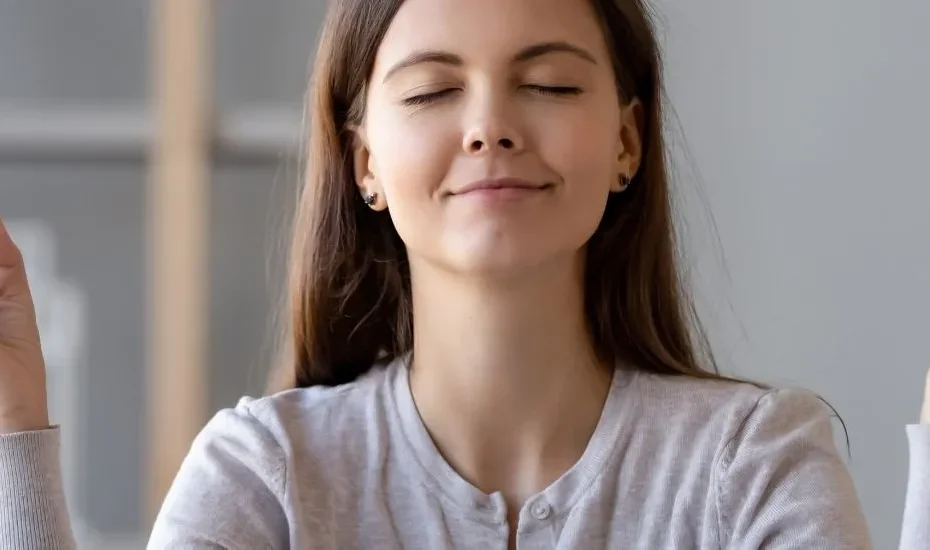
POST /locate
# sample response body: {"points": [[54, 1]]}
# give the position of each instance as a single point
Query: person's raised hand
{"points": [[23, 396]]}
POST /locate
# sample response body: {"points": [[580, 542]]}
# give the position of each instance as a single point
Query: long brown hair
{"points": [[349, 286]]}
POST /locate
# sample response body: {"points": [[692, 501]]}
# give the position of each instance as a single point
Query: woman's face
{"points": [[494, 132]]}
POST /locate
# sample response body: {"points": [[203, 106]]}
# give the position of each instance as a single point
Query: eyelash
{"points": [[557, 91], [424, 99]]}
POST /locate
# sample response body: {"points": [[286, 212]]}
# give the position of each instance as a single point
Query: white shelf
{"points": [[106, 134]]}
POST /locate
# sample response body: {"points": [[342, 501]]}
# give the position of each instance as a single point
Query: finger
{"points": [[9, 253], [13, 283]]}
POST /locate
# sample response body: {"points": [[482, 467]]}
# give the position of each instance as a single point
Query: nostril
{"points": [[506, 143], [477, 145]]}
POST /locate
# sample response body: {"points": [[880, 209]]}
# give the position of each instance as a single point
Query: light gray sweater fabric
{"points": [[673, 463]]}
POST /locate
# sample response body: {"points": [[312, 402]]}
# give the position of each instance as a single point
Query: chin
{"points": [[503, 258]]}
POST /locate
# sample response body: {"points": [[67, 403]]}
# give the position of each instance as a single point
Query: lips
{"points": [[508, 185]]}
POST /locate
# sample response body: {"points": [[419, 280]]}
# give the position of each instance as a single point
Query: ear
{"points": [[629, 143], [361, 158], [364, 170]]}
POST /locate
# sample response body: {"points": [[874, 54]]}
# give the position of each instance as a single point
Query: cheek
{"points": [[411, 157], [582, 150], [582, 147], [408, 154]]}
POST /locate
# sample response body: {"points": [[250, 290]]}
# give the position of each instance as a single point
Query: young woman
{"points": [[490, 344]]}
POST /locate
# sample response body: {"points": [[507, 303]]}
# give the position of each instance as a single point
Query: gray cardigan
{"points": [[673, 463]]}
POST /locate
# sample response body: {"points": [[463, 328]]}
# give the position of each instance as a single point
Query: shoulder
{"points": [[304, 437], [265, 454], [718, 399], [326, 412], [727, 417], [769, 456]]}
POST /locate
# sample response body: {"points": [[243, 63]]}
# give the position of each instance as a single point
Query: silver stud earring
{"points": [[371, 199], [625, 182]]}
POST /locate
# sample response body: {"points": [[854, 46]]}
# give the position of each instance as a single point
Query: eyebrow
{"points": [[526, 54], [427, 56], [545, 48]]}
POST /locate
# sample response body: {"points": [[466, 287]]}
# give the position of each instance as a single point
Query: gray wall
{"points": [[805, 125], [807, 120]]}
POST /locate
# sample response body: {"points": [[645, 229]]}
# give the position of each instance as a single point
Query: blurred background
{"points": [[148, 168]]}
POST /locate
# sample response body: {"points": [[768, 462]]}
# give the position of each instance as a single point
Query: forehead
{"points": [[489, 30]]}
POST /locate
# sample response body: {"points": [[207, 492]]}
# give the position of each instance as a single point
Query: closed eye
{"points": [[432, 97], [424, 99], [554, 90]]}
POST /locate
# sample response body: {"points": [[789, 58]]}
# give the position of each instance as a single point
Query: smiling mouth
{"points": [[503, 187]]}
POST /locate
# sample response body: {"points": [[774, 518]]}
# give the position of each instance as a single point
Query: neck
{"points": [[505, 376]]}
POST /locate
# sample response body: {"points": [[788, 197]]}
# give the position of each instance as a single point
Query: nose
{"points": [[491, 130]]}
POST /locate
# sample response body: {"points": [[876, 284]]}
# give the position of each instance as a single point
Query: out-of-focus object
{"points": [[178, 240]]}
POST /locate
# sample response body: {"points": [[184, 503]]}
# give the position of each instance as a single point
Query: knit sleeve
{"points": [[781, 483], [33, 511]]}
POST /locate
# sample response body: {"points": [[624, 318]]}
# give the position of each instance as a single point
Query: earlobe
{"points": [[363, 172], [621, 184]]}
